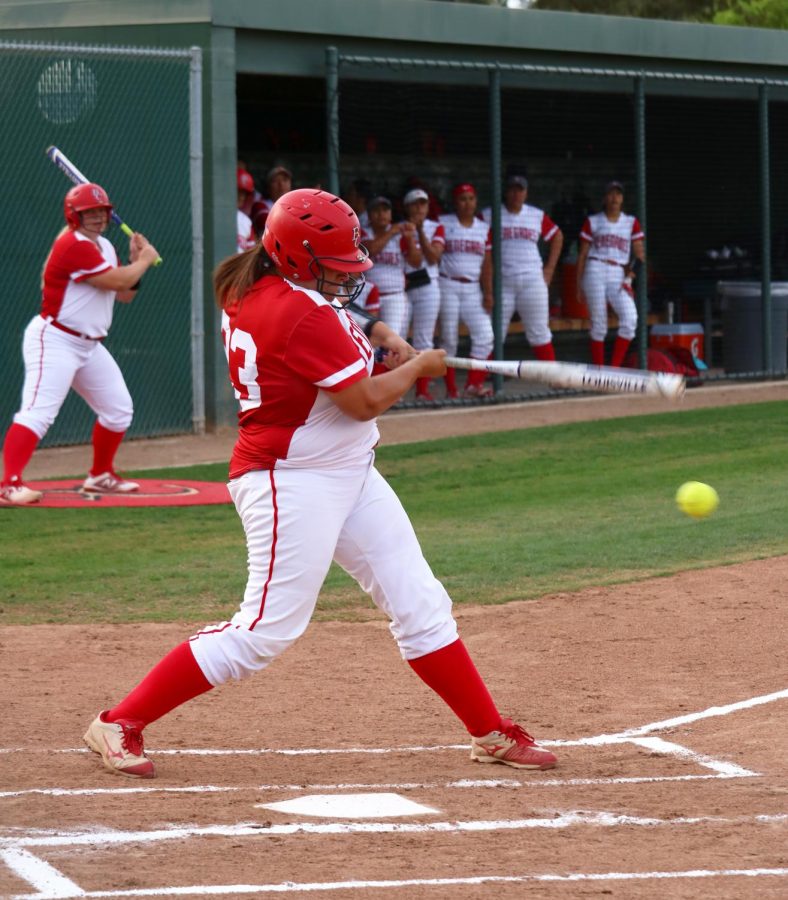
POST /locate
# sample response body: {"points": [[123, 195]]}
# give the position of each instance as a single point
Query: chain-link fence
{"points": [[129, 118], [701, 157]]}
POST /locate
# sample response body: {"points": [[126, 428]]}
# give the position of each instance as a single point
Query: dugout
{"points": [[692, 118]]}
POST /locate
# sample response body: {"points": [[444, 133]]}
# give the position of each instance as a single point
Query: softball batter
{"points": [[303, 480], [63, 347], [607, 241]]}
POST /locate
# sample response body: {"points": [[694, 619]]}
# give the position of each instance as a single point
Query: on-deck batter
{"points": [[466, 286], [607, 241], [524, 279], [307, 491], [63, 347]]}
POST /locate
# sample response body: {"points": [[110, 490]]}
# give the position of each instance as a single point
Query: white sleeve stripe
{"points": [[80, 273], [342, 374], [550, 233]]}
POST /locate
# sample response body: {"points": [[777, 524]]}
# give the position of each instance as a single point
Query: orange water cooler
{"points": [[686, 334]]}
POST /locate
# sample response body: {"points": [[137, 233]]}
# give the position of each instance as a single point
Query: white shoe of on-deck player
{"points": [[19, 494], [120, 746], [512, 746], [109, 483]]}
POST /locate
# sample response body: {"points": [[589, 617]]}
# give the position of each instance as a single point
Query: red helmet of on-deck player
{"points": [[310, 230], [82, 197]]}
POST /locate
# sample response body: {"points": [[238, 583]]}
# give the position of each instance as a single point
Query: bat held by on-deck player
{"points": [[76, 177]]}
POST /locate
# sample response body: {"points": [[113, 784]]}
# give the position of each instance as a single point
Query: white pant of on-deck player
{"points": [[298, 520], [602, 284], [425, 302], [54, 363], [527, 293], [464, 301], [395, 311]]}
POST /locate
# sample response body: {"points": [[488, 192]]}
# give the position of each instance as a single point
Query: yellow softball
{"points": [[697, 499]]}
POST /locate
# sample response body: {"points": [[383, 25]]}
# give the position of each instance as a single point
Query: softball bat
{"points": [[576, 376], [73, 174]]}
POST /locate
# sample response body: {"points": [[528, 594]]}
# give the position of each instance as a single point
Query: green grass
{"points": [[504, 516]]}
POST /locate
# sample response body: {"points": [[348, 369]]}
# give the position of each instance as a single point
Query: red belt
{"points": [[607, 262], [71, 331], [461, 278]]}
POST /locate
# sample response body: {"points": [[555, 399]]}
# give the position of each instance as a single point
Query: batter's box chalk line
{"points": [[51, 884]]}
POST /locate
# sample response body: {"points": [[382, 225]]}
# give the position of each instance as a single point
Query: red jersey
{"points": [[287, 346], [64, 296]]}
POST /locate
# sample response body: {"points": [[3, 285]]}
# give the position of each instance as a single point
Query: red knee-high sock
{"points": [[619, 351], [545, 352], [451, 382], [171, 682], [20, 443], [475, 378], [450, 672], [422, 386], [598, 352], [105, 446]]}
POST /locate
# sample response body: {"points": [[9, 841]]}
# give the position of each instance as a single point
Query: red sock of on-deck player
{"points": [[450, 672], [545, 352], [422, 386], [173, 681], [597, 352], [619, 351], [451, 381], [20, 443], [105, 446]]}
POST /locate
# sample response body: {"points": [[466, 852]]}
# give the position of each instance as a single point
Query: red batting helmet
{"points": [[245, 181], [309, 229], [82, 197]]}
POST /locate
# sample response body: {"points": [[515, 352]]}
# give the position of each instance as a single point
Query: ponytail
{"points": [[233, 277]]}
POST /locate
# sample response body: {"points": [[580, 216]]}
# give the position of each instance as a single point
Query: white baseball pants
{"points": [[603, 284], [296, 522], [527, 293], [395, 312], [464, 301], [425, 302], [54, 363]]}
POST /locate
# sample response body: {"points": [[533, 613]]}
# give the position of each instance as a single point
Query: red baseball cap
{"points": [[464, 188]]}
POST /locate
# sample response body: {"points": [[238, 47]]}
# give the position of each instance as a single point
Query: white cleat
{"points": [[121, 748], [19, 495], [108, 483]]}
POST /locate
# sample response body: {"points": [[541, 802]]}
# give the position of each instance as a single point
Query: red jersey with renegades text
{"points": [[64, 295], [287, 348]]}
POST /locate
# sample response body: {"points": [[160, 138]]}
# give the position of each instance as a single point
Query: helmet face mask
{"points": [[344, 291], [81, 198], [310, 234]]}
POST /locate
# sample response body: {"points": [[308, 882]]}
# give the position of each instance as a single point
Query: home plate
{"points": [[350, 806]]}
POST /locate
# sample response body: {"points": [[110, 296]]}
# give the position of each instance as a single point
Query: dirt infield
{"points": [[664, 700]]}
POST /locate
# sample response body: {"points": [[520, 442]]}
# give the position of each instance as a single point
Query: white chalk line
{"points": [[306, 887], [573, 818], [616, 738], [47, 880], [464, 783]]}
